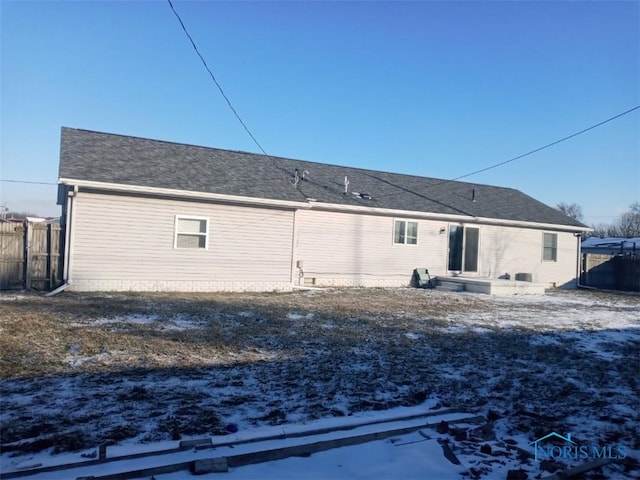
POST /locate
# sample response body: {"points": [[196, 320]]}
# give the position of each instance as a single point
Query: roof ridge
{"points": [[182, 144]]}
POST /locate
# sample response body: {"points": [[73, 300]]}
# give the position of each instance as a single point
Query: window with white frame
{"points": [[549, 247], [191, 232], [405, 232]]}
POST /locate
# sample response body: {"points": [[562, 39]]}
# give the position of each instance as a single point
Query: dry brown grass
{"points": [[39, 334]]}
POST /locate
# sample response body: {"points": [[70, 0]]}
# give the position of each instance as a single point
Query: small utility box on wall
{"points": [[524, 277]]}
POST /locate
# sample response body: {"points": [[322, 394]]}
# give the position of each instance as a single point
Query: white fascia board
{"points": [[545, 226], [170, 192], [444, 217]]}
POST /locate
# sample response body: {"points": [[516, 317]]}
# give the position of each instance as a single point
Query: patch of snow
{"points": [[407, 456], [79, 361], [182, 322], [413, 335], [300, 316], [134, 318], [401, 456], [455, 329]]}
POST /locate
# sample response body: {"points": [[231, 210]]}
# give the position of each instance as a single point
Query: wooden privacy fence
{"points": [[612, 272], [30, 256]]}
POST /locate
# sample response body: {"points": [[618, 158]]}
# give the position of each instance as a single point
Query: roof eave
{"points": [[170, 192], [237, 199]]}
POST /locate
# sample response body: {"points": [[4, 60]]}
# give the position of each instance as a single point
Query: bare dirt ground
{"points": [[81, 370]]}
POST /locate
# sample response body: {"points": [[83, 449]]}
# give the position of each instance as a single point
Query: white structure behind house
{"points": [[611, 246]]}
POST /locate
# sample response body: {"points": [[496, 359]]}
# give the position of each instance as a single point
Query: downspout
{"points": [[68, 233], [294, 263], [579, 259], [68, 240], [579, 264]]}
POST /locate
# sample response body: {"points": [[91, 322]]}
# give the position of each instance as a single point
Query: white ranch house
{"points": [[148, 215]]}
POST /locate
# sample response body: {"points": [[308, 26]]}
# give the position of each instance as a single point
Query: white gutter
{"points": [[118, 187]]}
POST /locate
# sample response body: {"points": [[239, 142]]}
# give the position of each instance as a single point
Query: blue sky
{"points": [[436, 89]]}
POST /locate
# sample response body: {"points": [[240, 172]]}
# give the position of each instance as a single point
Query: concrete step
{"points": [[450, 286], [448, 289]]}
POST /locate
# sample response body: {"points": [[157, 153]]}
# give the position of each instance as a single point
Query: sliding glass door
{"points": [[463, 248]]}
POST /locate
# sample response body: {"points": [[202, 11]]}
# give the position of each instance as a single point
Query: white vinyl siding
{"points": [[348, 249], [121, 242], [549, 247], [511, 250], [405, 232], [191, 232], [131, 240], [351, 249]]}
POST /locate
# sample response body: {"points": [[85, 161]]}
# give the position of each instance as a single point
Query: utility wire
{"points": [[26, 181], [7, 180], [184, 28], [538, 149], [193, 44]]}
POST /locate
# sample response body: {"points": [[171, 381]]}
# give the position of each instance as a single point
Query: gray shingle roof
{"points": [[103, 157]]}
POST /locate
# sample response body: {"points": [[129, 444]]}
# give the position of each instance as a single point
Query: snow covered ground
{"points": [[137, 370]]}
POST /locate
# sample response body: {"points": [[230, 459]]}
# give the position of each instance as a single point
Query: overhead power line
{"points": [[7, 180], [540, 148], [193, 44]]}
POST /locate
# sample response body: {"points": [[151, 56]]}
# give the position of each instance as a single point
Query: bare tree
{"points": [[626, 225], [600, 230], [572, 210]]}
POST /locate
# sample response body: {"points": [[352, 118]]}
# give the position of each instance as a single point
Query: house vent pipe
{"points": [[346, 185]]}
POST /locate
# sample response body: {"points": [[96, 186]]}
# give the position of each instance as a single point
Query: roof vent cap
{"points": [[366, 196]]}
